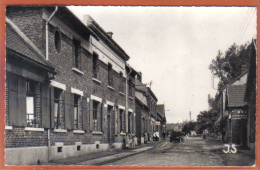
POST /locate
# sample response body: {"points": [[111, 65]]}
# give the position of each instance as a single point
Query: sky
{"points": [[174, 46]]}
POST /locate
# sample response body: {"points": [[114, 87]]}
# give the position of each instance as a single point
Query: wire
{"points": [[243, 23], [247, 25]]}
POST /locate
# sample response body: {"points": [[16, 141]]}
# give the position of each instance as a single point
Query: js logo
{"points": [[230, 148]]}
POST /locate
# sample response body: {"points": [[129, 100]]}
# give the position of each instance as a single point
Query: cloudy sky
{"points": [[174, 46]]}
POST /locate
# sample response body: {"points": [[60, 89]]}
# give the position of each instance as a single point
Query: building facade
{"points": [[69, 90]]}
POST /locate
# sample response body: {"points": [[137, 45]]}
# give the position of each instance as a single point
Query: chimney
{"points": [[243, 68], [110, 34]]}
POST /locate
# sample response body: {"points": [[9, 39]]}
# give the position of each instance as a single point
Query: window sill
{"points": [[8, 127], [110, 87], [96, 80], [34, 129], [131, 98], [77, 70], [97, 133], [60, 130], [78, 131], [122, 93]]}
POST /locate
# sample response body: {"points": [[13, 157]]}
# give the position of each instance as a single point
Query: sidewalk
{"points": [[111, 155]]}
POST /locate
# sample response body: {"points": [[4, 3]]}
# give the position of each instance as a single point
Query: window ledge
{"points": [[77, 70], [33, 129], [110, 87], [96, 80], [131, 98], [59, 130], [8, 127], [121, 93], [122, 134], [78, 131], [97, 133]]}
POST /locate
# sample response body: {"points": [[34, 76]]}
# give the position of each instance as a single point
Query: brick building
{"points": [[161, 119], [146, 113], [72, 98]]}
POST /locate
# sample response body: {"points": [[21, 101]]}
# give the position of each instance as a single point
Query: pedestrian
{"points": [[163, 135]]}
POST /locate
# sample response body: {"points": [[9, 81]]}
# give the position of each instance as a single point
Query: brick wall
{"points": [[30, 22]]}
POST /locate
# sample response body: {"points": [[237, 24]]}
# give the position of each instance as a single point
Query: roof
{"points": [[161, 109], [236, 95], [139, 86], [95, 28], [141, 97], [17, 42]]}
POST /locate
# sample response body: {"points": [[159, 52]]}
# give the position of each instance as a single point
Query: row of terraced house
{"points": [[236, 122], [69, 88]]}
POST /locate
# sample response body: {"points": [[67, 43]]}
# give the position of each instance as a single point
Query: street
{"points": [[192, 152]]}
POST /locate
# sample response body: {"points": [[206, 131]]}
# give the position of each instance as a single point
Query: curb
{"points": [[130, 154]]}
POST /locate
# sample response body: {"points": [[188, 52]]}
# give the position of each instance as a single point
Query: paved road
{"points": [[193, 152]]}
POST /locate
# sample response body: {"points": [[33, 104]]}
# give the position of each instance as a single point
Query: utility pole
{"points": [[190, 116]]}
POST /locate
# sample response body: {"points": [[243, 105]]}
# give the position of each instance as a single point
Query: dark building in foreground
{"points": [[69, 90]]}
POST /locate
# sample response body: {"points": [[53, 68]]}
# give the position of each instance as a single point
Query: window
{"points": [[76, 48], [110, 75], [130, 88], [57, 94], [121, 120], [95, 113], [57, 41], [76, 111], [95, 66], [30, 104], [121, 87]]}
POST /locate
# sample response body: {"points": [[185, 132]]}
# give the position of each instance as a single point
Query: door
{"points": [[108, 129]]}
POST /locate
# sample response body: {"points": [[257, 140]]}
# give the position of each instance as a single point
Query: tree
{"points": [[205, 120], [188, 127], [227, 67]]}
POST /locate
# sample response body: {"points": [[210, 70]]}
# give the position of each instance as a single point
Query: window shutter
{"points": [[72, 110], [45, 106], [123, 121], [13, 100], [91, 115], [103, 114], [21, 101], [84, 113], [67, 111], [79, 56], [52, 106], [97, 66]]}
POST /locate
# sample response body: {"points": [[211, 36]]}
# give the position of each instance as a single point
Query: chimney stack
{"points": [[110, 34]]}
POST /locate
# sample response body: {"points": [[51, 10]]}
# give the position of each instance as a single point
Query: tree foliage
{"points": [[188, 127], [205, 120], [228, 66]]}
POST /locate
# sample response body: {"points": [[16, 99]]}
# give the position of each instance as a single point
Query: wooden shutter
{"points": [[103, 114], [67, 111], [72, 110], [84, 113], [45, 106], [13, 100], [22, 101], [52, 107], [91, 115]]}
